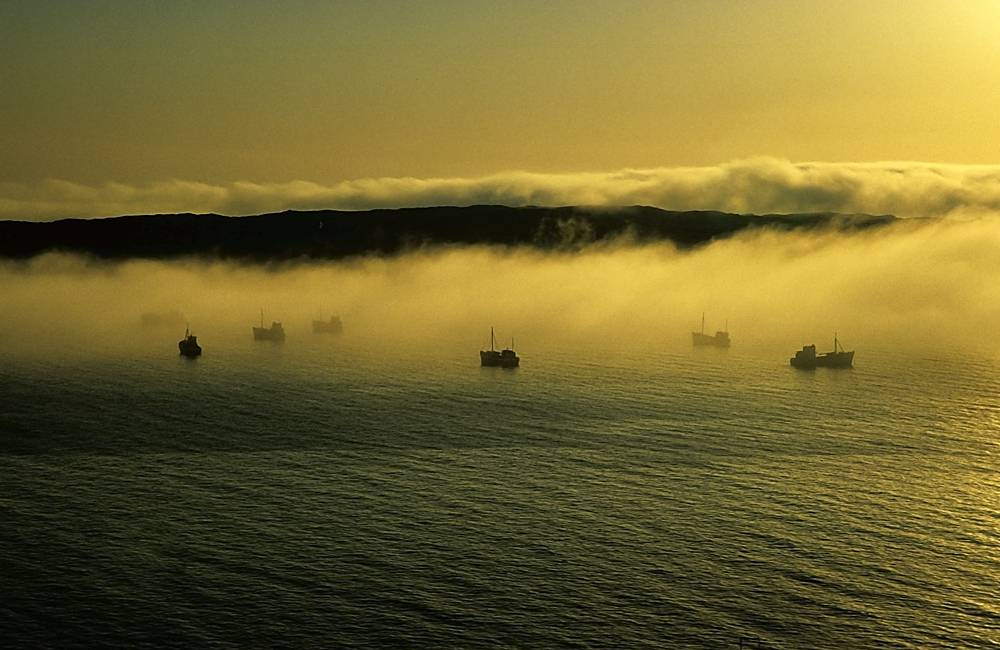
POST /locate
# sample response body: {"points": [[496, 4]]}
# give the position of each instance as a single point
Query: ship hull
{"points": [[328, 327], [264, 334], [720, 340], [189, 349], [825, 360], [835, 360], [492, 359]]}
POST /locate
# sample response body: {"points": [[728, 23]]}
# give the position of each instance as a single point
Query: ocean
{"points": [[317, 494]]}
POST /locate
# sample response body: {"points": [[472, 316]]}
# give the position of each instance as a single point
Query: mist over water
{"points": [[925, 283], [619, 489]]}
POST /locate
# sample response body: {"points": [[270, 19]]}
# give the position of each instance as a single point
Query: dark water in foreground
{"points": [[307, 495]]}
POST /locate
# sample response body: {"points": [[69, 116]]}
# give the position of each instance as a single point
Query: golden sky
{"points": [[145, 92]]}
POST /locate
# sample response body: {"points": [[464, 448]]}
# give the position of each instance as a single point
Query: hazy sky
{"points": [[141, 92]]}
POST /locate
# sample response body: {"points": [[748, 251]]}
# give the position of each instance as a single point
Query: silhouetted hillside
{"points": [[331, 234]]}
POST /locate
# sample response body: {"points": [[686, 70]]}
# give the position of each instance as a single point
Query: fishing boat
{"points": [[332, 326], [274, 333], [189, 346], [807, 359], [720, 340], [499, 358]]}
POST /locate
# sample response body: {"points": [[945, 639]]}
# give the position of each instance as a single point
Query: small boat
{"points": [[499, 358], [332, 326], [720, 340], [807, 359], [189, 346], [275, 333]]}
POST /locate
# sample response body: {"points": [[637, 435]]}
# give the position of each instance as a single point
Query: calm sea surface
{"points": [[310, 494]]}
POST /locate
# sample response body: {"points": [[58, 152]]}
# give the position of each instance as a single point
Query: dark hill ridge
{"points": [[334, 234]]}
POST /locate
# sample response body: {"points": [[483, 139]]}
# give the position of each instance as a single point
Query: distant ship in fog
{"points": [[332, 326], [807, 359], [189, 346], [275, 333], [720, 340], [499, 358]]}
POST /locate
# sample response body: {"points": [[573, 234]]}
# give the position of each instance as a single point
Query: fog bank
{"points": [[757, 185], [913, 283]]}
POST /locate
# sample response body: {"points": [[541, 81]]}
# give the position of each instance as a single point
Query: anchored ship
{"points": [[720, 340], [332, 326], [807, 359], [189, 346], [499, 358], [274, 333]]}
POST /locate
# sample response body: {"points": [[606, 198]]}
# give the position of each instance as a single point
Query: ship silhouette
{"points": [[189, 346], [720, 340], [499, 358], [807, 359], [275, 333], [332, 326]]}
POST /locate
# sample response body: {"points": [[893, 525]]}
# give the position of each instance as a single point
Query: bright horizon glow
{"points": [[141, 93]]}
